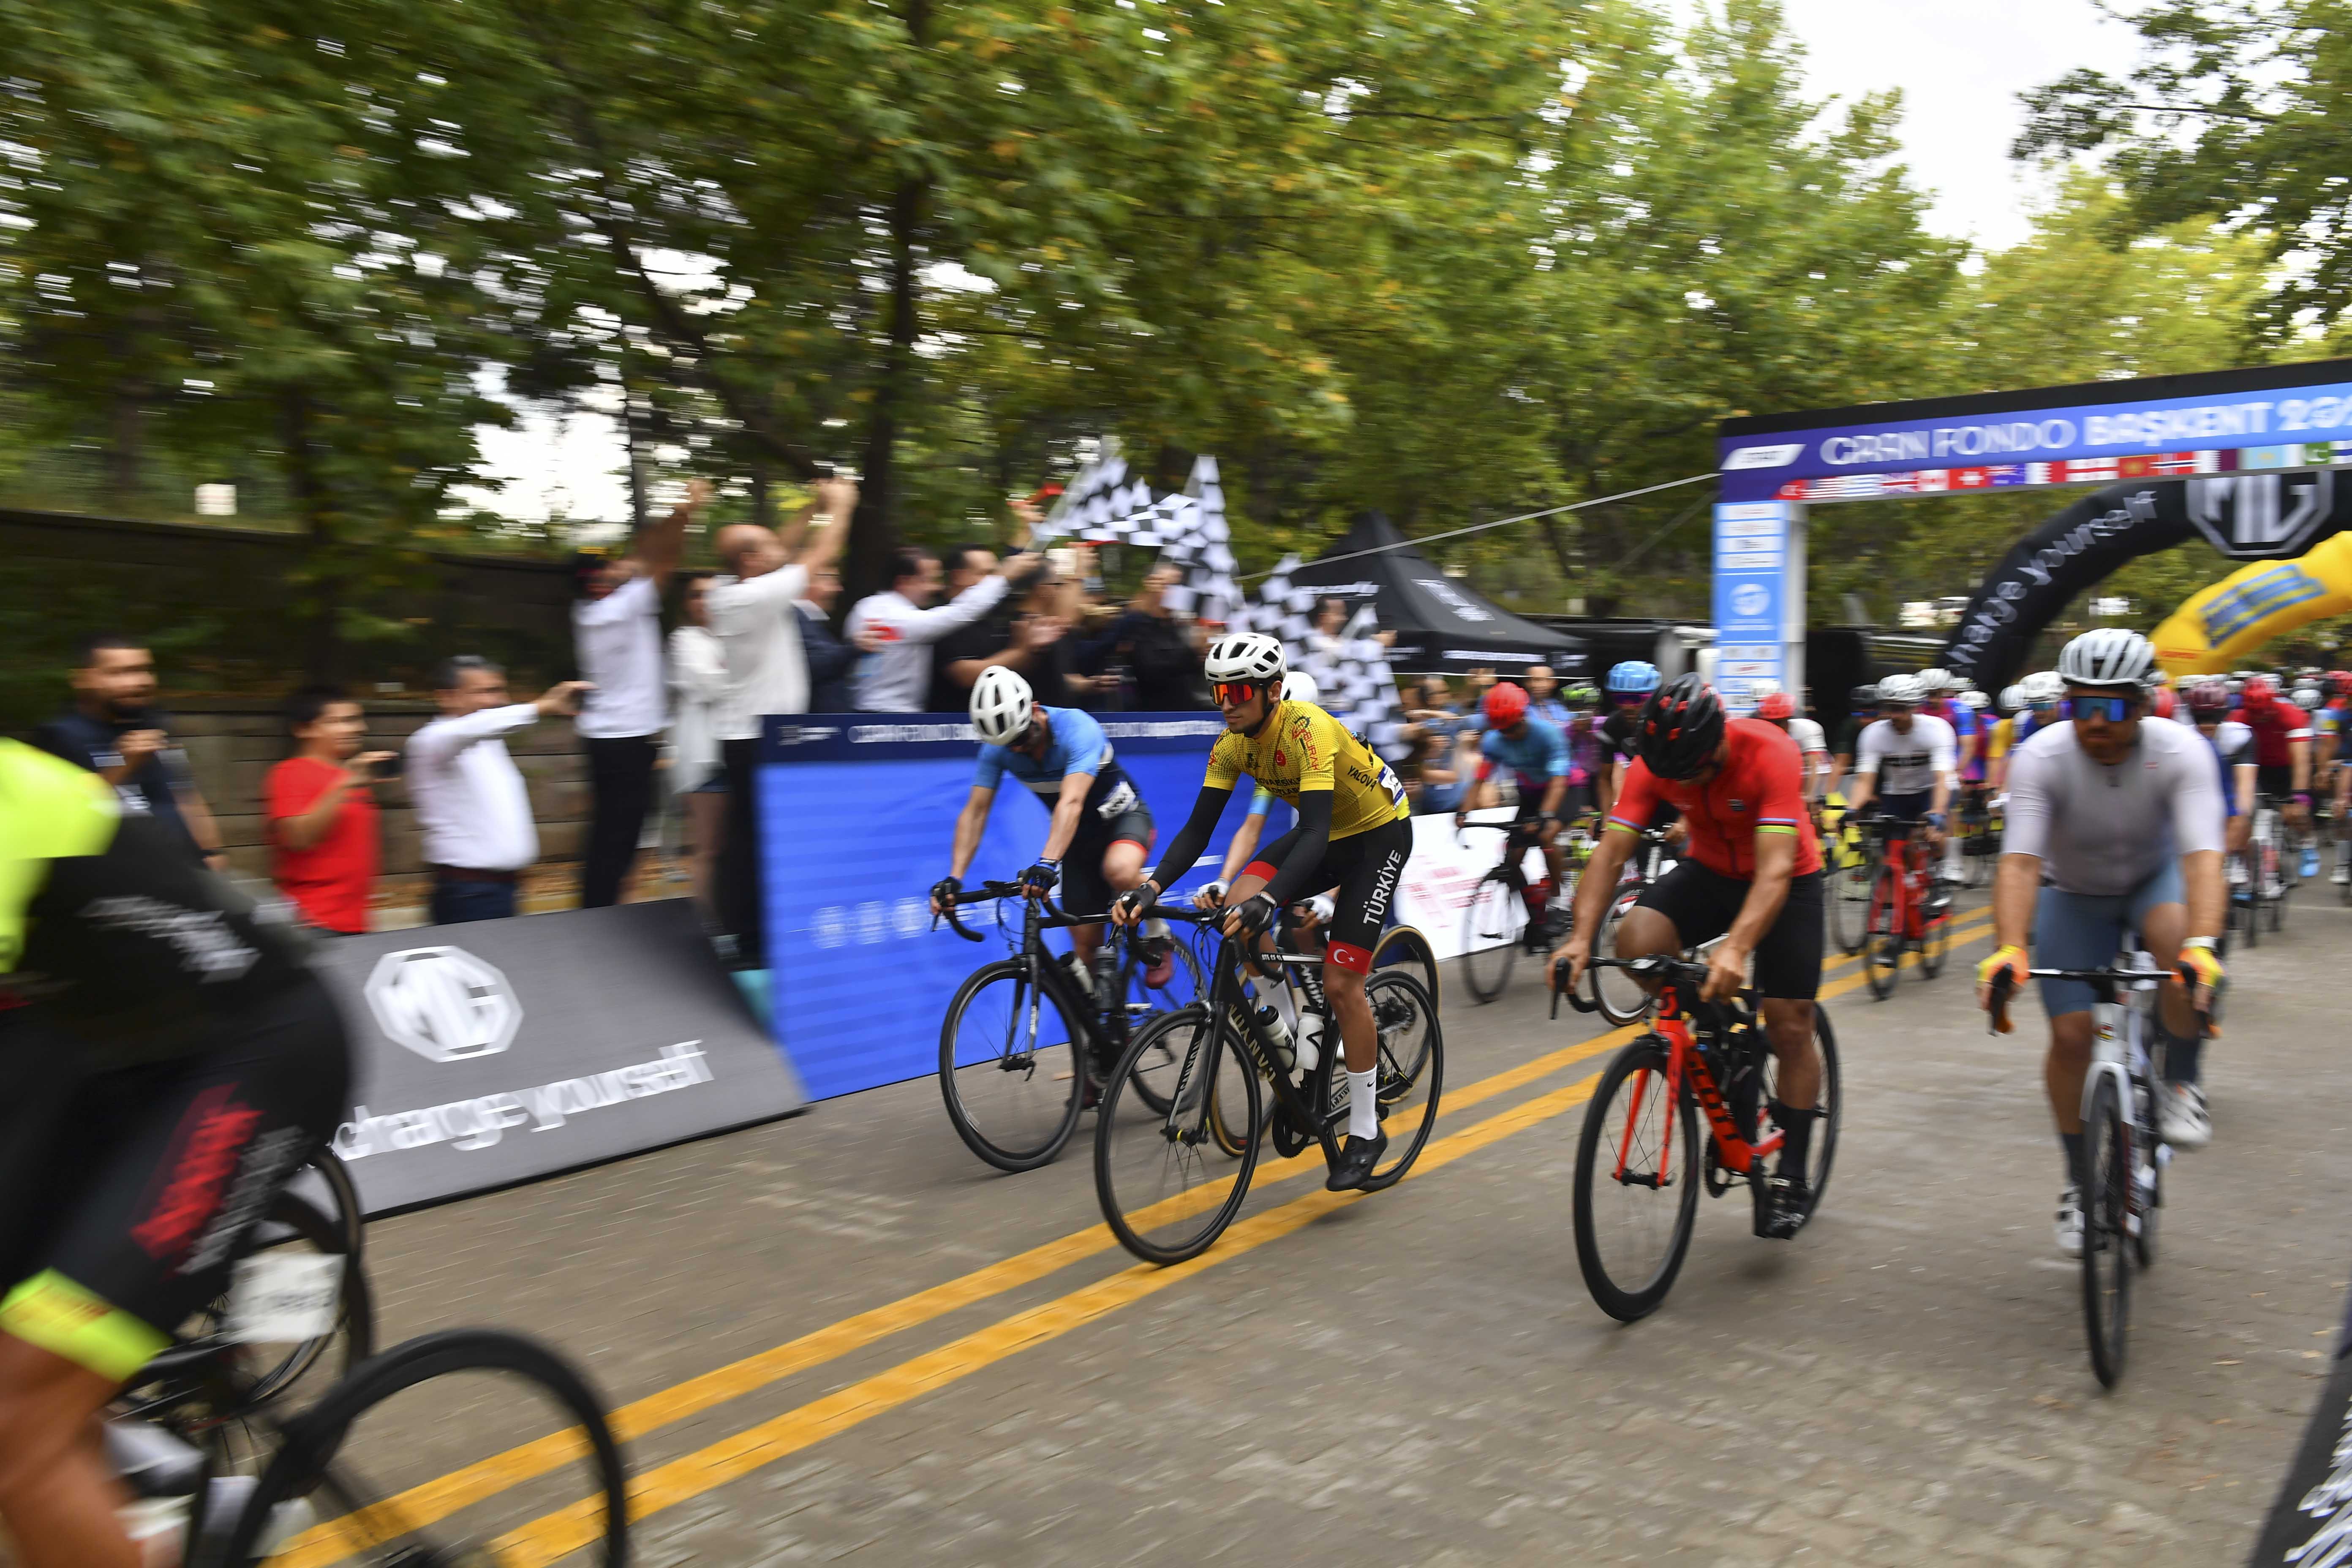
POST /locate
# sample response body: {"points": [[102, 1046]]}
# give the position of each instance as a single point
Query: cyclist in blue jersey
{"points": [[1536, 753], [1101, 829]]}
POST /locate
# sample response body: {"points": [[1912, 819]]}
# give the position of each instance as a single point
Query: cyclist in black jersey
{"points": [[167, 1061]]}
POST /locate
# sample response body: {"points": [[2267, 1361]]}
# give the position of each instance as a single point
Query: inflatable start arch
{"points": [[2223, 626]]}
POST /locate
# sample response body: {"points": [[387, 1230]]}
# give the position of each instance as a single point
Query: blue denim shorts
{"points": [[2086, 930]]}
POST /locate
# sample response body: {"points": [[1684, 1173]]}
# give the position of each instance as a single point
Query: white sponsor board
{"points": [[1435, 888]]}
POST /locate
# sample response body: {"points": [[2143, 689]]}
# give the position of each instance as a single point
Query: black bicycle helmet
{"points": [[1680, 727]]}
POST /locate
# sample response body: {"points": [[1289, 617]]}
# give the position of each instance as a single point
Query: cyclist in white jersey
{"points": [[1906, 761], [2114, 825]]}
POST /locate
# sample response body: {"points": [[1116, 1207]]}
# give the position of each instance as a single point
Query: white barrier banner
{"points": [[1435, 888]]}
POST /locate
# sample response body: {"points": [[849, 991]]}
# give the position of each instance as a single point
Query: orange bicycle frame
{"points": [[1683, 1058]]}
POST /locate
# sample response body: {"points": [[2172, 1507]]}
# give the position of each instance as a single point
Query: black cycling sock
{"points": [[2073, 1141], [1796, 1136], [2183, 1060]]}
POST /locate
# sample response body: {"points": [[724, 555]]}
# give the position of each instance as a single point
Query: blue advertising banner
{"points": [[857, 815], [1751, 565], [2285, 416]]}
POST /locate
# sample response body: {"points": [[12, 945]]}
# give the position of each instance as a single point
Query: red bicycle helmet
{"points": [[2260, 691], [1680, 727], [2209, 699], [1776, 705], [1505, 705]]}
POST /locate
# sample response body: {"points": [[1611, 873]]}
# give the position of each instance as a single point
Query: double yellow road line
{"points": [[549, 1538]]}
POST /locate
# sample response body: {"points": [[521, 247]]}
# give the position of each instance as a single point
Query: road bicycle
{"points": [[1508, 911], [2124, 1151], [1909, 910], [1636, 1199], [1172, 1174], [2272, 863], [1852, 873], [1024, 1044], [271, 1432], [1977, 828]]}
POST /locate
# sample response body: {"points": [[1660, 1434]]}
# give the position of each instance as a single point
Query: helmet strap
{"points": [[1270, 692]]}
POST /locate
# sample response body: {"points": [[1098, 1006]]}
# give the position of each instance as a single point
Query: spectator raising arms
{"points": [[321, 802], [755, 614], [698, 681], [114, 731], [616, 632]]}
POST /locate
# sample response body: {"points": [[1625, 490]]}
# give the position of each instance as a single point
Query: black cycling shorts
{"points": [[1905, 808], [1360, 871], [2275, 780], [1703, 903], [124, 1194], [1084, 890]]}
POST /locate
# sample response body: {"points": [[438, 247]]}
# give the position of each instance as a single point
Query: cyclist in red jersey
{"points": [[1753, 877], [2282, 747]]}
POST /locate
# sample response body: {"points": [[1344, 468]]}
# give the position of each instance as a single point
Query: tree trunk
{"points": [[874, 536], [323, 644]]}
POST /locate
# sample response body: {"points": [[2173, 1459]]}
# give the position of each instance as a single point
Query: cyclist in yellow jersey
{"points": [[1354, 834]]}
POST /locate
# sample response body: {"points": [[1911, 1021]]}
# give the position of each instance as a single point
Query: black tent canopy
{"points": [[1440, 625]]}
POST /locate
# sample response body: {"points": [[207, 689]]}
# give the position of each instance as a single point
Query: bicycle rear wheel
{"points": [[1850, 888], [1494, 924], [2106, 1243], [1820, 1155], [1882, 956], [1404, 947], [1637, 1181], [1162, 1177], [1619, 995], [465, 1446], [1009, 1068], [1146, 1001], [1412, 1071], [1936, 940]]}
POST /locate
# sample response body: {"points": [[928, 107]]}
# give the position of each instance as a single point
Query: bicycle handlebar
{"points": [[987, 892], [2003, 985], [1679, 972]]}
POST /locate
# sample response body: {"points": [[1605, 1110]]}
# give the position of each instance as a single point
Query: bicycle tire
{"points": [[1184, 988], [1882, 958], [345, 1199], [1936, 943], [1181, 1186], [2107, 1252], [1645, 1056], [1412, 1068], [1849, 905], [305, 1462], [1404, 946], [1482, 962], [1619, 996], [356, 1310], [1820, 1157], [1030, 1151], [1221, 1129]]}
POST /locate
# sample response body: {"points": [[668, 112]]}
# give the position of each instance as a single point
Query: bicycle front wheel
{"points": [[1882, 955], [1637, 1180], [1619, 995], [1936, 941], [1161, 1176], [1146, 1001], [1493, 926], [1850, 904], [1411, 1070], [1404, 947], [2106, 1241], [1010, 1067]]}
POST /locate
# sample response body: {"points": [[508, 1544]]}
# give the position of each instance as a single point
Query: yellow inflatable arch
{"points": [[2221, 626]]}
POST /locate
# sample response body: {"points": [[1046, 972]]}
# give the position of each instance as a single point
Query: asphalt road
{"points": [[841, 1336]]}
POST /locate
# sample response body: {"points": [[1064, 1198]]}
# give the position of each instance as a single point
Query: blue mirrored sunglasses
{"points": [[2114, 710]]}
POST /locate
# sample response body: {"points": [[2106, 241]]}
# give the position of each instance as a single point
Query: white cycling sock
{"points": [[1363, 1108]]}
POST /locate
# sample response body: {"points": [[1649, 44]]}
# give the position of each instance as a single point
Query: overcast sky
{"points": [[1959, 63]]}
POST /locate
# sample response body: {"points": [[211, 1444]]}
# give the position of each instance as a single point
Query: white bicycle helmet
{"points": [[1001, 705], [1299, 686], [2109, 656], [2041, 687], [1976, 699], [1244, 656], [2012, 697], [1933, 679], [1901, 691]]}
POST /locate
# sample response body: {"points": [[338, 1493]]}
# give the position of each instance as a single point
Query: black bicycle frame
{"points": [[1225, 999]]}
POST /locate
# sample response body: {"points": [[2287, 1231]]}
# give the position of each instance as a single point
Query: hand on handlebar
{"points": [[1726, 972], [1576, 953], [2200, 970], [944, 894], [1128, 908], [1041, 878], [1251, 917], [2004, 970], [1211, 896]]}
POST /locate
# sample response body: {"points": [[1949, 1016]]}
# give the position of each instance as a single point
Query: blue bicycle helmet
{"points": [[1634, 676]]}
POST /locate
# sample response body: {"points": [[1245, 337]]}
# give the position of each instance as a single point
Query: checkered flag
{"points": [[1351, 671], [1107, 505]]}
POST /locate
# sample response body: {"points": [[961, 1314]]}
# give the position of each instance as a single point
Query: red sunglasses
{"points": [[1233, 693]]}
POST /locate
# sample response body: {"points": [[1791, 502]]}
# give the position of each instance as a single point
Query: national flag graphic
{"points": [[2083, 470], [2135, 467], [2036, 474], [1795, 489], [1970, 478], [1935, 480], [2261, 458], [2176, 463]]}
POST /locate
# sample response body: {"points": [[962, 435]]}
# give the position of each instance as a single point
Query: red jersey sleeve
{"points": [[1781, 797], [1637, 802]]}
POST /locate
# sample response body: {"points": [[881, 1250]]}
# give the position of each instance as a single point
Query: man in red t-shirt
{"points": [[1753, 877], [322, 811]]}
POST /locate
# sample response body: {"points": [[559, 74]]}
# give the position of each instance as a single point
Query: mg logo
{"points": [[2254, 517], [442, 1003]]}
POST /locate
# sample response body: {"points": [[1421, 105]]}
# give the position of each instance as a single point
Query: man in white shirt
{"points": [[896, 678], [473, 813], [616, 633], [753, 615]]}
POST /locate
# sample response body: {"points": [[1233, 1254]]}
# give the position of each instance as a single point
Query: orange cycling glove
{"points": [[2200, 968], [2008, 960]]}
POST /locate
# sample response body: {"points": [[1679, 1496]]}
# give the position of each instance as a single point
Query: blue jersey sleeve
{"points": [[1555, 749], [1078, 736], [990, 771], [1491, 745]]}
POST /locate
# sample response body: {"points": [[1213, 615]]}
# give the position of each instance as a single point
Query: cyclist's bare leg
{"points": [[2063, 1069], [2161, 932], [58, 1493], [1122, 867], [1789, 1028]]}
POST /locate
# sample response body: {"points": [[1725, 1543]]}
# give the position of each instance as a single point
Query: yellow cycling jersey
{"points": [[1303, 749], [2003, 738]]}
